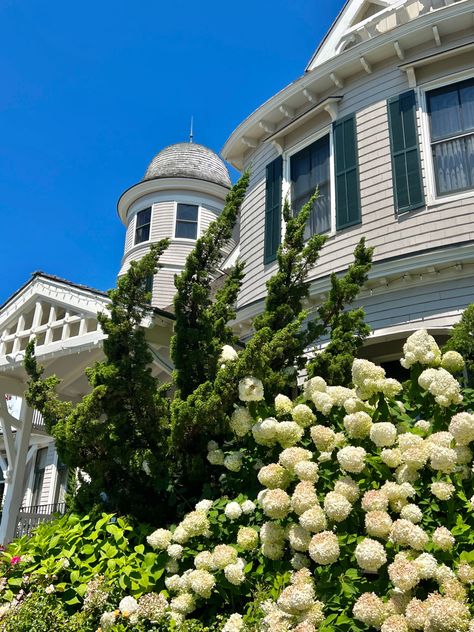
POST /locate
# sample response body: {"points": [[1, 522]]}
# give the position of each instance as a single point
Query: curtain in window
{"points": [[452, 164], [310, 170]]}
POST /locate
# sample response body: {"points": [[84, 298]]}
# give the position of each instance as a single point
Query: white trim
{"points": [[327, 130], [432, 197]]}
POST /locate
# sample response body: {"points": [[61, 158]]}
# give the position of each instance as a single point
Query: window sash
{"points": [[186, 221], [142, 226], [451, 122], [310, 169]]}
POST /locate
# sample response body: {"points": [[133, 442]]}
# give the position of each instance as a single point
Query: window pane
{"points": [[187, 211], [144, 217], [142, 234], [445, 113], [310, 170], [188, 230], [467, 104], [454, 164]]}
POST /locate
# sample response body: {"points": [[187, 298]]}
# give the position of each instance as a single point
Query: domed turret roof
{"points": [[188, 160]]}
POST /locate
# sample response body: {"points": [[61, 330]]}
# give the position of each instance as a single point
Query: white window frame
{"points": [[327, 130], [175, 219], [145, 241], [432, 197]]}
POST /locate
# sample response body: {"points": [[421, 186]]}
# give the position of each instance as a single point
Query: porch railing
{"points": [[31, 516]]}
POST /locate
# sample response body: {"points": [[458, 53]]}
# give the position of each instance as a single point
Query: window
{"points": [[40, 466], [273, 184], [310, 169], [186, 221], [451, 116], [148, 286], [142, 227]]}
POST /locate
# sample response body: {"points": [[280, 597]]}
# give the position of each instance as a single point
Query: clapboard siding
{"points": [[429, 227], [428, 305], [162, 220], [163, 288], [129, 234], [49, 476]]}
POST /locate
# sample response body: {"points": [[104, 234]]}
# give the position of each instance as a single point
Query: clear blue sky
{"points": [[90, 91]]}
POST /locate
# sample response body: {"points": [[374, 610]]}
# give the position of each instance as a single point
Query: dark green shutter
{"points": [[347, 176], [273, 209], [406, 168]]}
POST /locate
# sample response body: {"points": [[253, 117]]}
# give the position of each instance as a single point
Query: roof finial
{"points": [[191, 130]]}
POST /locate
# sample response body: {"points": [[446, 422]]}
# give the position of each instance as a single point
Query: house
{"points": [[382, 121]]}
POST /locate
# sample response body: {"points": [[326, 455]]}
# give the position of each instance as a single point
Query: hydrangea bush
{"points": [[342, 509]]}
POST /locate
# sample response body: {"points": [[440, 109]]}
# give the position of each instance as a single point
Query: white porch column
{"points": [[14, 493]]}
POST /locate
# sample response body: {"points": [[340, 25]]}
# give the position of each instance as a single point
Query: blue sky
{"points": [[92, 90]]}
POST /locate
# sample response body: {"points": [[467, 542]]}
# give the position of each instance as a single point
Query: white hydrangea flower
{"points": [[234, 573], [442, 490], [228, 354], [272, 533], [412, 513], [288, 433], [443, 539], [313, 519], [172, 566], [447, 614], [160, 539], [370, 610], [395, 623], [291, 456], [283, 404], [204, 561], [423, 425], [383, 434], [216, 457], [307, 471], [248, 507], [352, 459], [299, 538], [314, 385], [348, 487], [128, 605], [443, 459], [223, 555], [241, 421], [392, 457], [367, 377], [233, 461], [175, 551], [378, 524], [276, 504], [426, 565], [303, 415], [452, 361], [194, 523], [340, 395], [391, 387], [462, 428], [442, 385], [374, 500], [233, 511], [299, 561], [201, 582], [323, 402], [273, 476], [324, 548], [465, 573], [415, 614], [204, 505], [107, 620], [422, 348], [403, 574], [265, 431], [358, 425], [183, 603], [405, 533], [370, 555], [304, 497], [337, 507], [323, 438], [250, 389], [296, 599], [247, 538], [234, 623], [212, 445]]}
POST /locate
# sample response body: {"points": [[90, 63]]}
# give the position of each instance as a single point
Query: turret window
{"points": [[187, 221], [142, 227], [451, 114]]}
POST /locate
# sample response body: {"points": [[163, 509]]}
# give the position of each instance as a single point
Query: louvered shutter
{"points": [[347, 172], [406, 167], [273, 209]]}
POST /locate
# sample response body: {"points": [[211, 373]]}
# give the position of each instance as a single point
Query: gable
{"points": [[358, 21]]}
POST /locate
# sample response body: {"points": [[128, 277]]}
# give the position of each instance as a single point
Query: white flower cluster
{"points": [[370, 379], [442, 385], [421, 348]]}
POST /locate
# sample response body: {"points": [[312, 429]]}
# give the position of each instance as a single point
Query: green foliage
{"points": [[120, 428], [201, 324], [461, 339]]}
